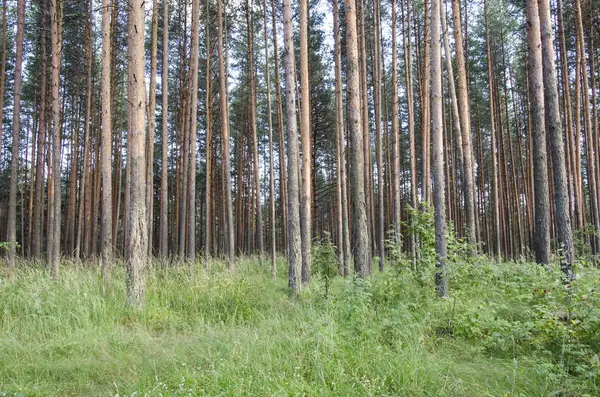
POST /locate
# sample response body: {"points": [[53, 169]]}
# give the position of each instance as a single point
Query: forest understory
{"points": [[510, 329]]}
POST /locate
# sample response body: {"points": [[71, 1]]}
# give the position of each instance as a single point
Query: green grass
{"points": [[502, 333]]}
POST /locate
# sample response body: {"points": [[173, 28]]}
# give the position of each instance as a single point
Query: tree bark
{"points": [[553, 120], [305, 135], [191, 249], [465, 126], [437, 130], [230, 240], [271, 165], [163, 236], [56, 35], [293, 214], [136, 250], [362, 250], [14, 164], [38, 205], [536, 96]]}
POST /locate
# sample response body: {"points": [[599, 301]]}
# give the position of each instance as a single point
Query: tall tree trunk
{"points": [[38, 206], [271, 165], [437, 129], [362, 250], [341, 149], [106, 240], [191, 252], [230, 240], [257, 193], [495, 249], [411, 118], [14, 164], [378, 136], [305, 135], [136, 250], [56, 35], [151, 124], [536, 96], [465, 125], [587, 120], [425, 103], [3, 61], [163, 235], [396, 210], [563, 220], [293, 214], [280, 128], [209, 142], [86, 129]]}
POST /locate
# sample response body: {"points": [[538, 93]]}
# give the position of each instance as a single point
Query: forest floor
{"points": [[507, 330]]}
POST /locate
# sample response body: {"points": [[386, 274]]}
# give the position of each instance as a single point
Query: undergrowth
{"points": [[509, 329]]}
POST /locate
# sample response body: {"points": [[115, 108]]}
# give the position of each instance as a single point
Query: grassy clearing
{"points": [[509, 329]]}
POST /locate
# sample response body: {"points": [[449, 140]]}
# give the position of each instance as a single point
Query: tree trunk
{"points": [[536, 96], [465, 126], [230, 240], [14, 164], [191, 212], [563, 220], [293, 214], [380, 235], [495, 249], [163, 236], [136, 250], [305, 135], [344, 248], [56, 34], [38, 206], [271, 165], [151, 124], [437, 129], [362, 250]]}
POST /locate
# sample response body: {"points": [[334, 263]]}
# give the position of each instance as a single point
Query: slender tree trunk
{"points": [[191, 252], [294, 232], [38, 206], [587, 120], [563, 220], [164, 170], [536, 95], [56, 35], [14, 164], [494, 202], [378, 136], [465, 125], [3, 62], [136, 250], [305, 135], [86, 130], [396, 217], [425, 104], [151, 124], [106, 244], [271, 165], [362, 250], [411, 119], [437, 129], [257, 193], [341, 149], [230, 240]]}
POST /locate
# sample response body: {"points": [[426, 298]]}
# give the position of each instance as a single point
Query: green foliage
{"points": [[325, 261], [6, 245], [509, 329]]}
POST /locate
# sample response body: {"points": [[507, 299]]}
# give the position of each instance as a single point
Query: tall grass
{"points": [[238, 333]]}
